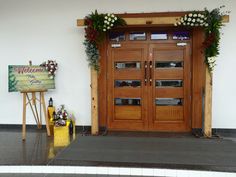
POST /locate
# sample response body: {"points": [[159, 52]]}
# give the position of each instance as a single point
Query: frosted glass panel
{"points": [[127, 83], [159, 36], [128, 65], [169, 83], [117, 36], [181, 35], [135, 36], [169, 64], [128, 101], [169, 101]]}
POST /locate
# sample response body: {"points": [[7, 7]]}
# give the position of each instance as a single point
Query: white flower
{"points": [[108, 27], [105, 17], [189, 19], [206, 24], [179, 23], [182, 20], [175, 24], [184, 23], [112, 15], [104, 29], [203, 16], [105, 21], [195, 15], [192, 24], [185, 18], [115, 18], [199, 15], [198, 19], [109, 19], [112, 21], [190, 15], [111, 24], [193, 20], [188, 23], [108, 14]]}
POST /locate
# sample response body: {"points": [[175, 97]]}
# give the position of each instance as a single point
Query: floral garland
{"points": [[211, 21], [51, 67], [96, 27]]}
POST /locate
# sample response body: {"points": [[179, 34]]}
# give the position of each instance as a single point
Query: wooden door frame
{"points": [[197, 74]]}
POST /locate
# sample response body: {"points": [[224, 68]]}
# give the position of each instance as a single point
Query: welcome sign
{"points": [[28, 78]]}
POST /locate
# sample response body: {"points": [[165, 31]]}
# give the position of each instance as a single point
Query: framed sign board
{"points": [[25, 77]]}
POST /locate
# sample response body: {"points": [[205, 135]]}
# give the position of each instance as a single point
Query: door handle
{"points": [[145, 72], [150, 72]]}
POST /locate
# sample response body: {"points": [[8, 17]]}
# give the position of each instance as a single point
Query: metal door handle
{"points": [[145, 72], [150, 72]]}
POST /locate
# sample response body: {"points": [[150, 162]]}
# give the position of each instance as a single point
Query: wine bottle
{"points": [[50, 103], [71, 128]]}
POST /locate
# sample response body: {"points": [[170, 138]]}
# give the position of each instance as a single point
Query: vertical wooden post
{"points": [[94, 102], [208, 104], [45, 113], [24, 117]]}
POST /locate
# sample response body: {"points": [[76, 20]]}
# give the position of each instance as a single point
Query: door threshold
{"points": [[149, 134]]}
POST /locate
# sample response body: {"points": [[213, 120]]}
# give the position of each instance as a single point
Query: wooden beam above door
{"points": [[151, 20]]}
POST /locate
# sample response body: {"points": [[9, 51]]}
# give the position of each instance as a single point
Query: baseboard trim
{"points": [[87, 128]]}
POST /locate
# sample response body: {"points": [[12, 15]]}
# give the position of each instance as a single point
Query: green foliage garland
{"points": [[12, 79], [211, 21], [96, 27]]}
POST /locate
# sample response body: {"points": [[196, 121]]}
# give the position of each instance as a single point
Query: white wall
{"points": [[46, 29]]}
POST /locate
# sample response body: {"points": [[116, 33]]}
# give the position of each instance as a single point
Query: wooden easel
{"points": [[32, 101]]}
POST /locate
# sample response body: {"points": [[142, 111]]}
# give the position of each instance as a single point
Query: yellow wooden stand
{"points": [[50, 118], [62, 136], [32, 101]]}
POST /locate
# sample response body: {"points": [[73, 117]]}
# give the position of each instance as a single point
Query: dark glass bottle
{"points": [[50, 103], [54, 116], [71, 128]]}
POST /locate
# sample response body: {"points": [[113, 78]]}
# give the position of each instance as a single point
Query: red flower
{"points": [[210, 39]]}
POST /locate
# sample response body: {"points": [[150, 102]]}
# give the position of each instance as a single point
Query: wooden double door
{"points": [[149, 86]]}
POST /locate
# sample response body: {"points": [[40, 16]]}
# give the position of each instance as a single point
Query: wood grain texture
{"points": [[102, 85], [94, 102], [127, 113], [169, 113], [198, 78], [24, 117], [169, 92], [154, 19], [208, 105], [169, 74]]}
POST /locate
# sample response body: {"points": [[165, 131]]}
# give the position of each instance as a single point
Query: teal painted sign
{"points": [[28, 78]]}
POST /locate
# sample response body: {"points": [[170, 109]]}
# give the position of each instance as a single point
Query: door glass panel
{"points": [[169, 64], [127, 83], [117, 36], [128, 65], [181, 35], [136, 36], [169, 101], [169, 83], [159, 36], [128, 101]]}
